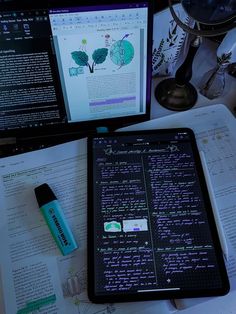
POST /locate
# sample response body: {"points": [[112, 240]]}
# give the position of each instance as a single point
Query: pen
{"points": [[55, 219], [219, 226]]}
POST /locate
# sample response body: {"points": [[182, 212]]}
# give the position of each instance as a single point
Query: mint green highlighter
{"points": [[55, 218]]}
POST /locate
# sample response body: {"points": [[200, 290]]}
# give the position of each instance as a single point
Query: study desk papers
{"points": [[34, 276], [33, 273], [215, 130]]}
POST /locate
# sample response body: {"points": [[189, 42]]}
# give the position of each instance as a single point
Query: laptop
{"points": [[71, 67]]}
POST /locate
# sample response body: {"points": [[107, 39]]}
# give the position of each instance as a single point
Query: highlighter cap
{"points": [[44, 194]]}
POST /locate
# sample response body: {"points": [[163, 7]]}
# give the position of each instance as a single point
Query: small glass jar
{"points": [[213, 82]]}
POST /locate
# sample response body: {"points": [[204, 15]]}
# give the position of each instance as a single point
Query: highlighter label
{"points": [[58, 226], [59, 229]]}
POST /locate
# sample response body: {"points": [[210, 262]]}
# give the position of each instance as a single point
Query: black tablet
{"points": [[151, 229]]}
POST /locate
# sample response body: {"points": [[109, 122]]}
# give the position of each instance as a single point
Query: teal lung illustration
{"points": [[122, 52], [112, 226]]}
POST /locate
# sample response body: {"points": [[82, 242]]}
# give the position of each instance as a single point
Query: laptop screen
{"points": [[74, 65]]}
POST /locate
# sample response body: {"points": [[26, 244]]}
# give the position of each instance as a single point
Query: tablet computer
{"points": [[151, 229]]}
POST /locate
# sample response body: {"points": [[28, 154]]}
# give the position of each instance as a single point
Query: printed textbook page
{"points": [[34, 276], [215, 130]]}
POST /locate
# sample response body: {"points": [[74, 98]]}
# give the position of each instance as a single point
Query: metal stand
{"points": [[177, 93]]}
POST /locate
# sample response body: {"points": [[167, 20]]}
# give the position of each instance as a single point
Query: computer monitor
{"points": [[74, 65]]}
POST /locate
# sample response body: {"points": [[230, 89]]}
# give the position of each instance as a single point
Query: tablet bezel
{"points": [[174, 294]]}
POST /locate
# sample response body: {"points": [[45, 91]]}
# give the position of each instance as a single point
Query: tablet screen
{"points": [[151, 227]]}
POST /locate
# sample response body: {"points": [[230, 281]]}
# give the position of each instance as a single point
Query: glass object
{"points": [[213, 82], [211, 11], [218, 16], [232, 69]]}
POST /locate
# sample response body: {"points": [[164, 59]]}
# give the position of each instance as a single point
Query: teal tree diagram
{"points": [[122, 52], [82, 59]]}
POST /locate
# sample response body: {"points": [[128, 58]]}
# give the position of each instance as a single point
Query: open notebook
{"points": [[68, 67]]}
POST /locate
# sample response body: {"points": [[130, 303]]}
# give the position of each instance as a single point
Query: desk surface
{"points": [[223, 305]]}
